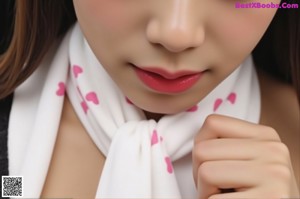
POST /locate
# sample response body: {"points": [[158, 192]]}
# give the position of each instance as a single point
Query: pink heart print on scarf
{"points": [[77, 70], [139, 151], [92, 97], [61, 89], [231, 98]]}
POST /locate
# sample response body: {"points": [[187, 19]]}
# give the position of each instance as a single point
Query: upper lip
{"points": [[166, 74]]}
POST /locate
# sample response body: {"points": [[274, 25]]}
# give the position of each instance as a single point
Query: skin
{"points": [[194, 35], [254, 161], [197, 35]]}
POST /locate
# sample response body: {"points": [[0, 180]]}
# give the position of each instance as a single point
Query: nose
{"points": [[176, 25]]}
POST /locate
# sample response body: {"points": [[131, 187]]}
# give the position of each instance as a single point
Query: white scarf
{"points": [[139, 152]]}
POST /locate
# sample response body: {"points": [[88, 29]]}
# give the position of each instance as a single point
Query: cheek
{"points": [[110, 15], [241, 30]]}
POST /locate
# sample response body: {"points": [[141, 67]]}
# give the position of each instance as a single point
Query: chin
{"points": [[166, 105]]}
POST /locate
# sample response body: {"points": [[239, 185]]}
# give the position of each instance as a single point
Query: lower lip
{"points": [[160, 84]]}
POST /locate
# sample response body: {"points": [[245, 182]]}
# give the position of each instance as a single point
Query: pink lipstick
{"points": [[163, 81]]}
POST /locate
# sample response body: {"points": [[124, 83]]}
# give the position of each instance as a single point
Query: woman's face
{"points": [[166, 55]]}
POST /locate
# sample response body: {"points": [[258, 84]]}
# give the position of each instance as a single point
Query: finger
{"points": [[221, 149], [218, 126], [237, 149], [229, 196], [260, 193], [224, 149], [261, 152], [229, 174], [205, 190], [216, 177], [243, 176]]}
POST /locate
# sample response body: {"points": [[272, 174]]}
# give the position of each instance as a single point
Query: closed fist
{"points": [[233, 158]]}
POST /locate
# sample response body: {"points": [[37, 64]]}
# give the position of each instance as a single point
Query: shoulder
{"points": [[280, 110]]}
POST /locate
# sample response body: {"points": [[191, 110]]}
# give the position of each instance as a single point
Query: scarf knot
{"points": [[139, 152]]}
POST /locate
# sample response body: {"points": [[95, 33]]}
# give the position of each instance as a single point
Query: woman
{"points": [[136, 72]]}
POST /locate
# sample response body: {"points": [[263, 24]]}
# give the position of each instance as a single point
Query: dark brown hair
{"points": [[37, 23]]}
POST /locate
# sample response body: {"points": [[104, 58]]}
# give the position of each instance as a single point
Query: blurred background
{"points": [[6, 25]]}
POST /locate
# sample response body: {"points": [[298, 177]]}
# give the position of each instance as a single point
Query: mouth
{"points": [[163, 81]]}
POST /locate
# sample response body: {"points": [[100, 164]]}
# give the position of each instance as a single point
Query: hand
{"points": [[245, 159]]}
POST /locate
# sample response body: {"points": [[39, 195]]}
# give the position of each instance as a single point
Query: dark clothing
{"points": [[5, 107]]}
